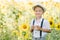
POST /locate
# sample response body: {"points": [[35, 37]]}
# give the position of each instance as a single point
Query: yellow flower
{"points": [[24, 27], [58, 26], [57, 5], [30, 3], [51, 21]]}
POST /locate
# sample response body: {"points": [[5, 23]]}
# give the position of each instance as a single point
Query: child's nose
{"points": [[38, 12]]}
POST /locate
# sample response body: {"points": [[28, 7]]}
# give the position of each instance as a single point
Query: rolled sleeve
{"points": [[46, 24]]}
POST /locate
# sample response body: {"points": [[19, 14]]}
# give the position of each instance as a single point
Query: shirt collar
{"points": [[39, 19]]}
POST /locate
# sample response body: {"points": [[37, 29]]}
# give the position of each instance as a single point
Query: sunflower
{"points": [[24, 27], [51, 21], [58, 26]]}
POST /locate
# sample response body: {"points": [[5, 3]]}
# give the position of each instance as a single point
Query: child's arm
{"points": [[46, 27], [44, 30], [32, 28]]}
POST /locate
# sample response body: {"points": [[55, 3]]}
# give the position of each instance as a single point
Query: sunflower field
{"points": [[16, 15]]}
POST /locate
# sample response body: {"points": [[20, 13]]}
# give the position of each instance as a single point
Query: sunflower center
{"points": [[30, 3], [50, 23], [58, 26], [24, 26]]}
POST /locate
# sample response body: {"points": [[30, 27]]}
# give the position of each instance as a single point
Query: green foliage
{"points": [[54, 35]]}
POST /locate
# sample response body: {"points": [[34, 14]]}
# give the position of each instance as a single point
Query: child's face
{"points": [[38, 12]]}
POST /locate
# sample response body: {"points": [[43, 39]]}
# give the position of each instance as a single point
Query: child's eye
{"points": [[38, 11]]}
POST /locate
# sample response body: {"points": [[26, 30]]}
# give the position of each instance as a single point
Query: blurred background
{"points": [[16, 15]]}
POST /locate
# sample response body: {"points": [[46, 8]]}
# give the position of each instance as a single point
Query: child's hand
{"points": [[32, 27], [37, 27]]}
